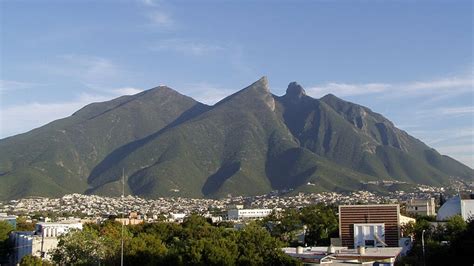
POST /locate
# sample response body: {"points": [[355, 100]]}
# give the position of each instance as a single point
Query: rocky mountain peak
{"points": [[295, 90]]}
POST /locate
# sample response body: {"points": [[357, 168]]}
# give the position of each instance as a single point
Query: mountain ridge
{"points": [[251, 142]]}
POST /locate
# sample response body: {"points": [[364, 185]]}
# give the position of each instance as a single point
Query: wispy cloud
{"points": [[85, 68], [186, 46], [126, 91], [14, 85], [345, 89], [23, 117], [158, 14], [462, 152], [151, 3], [453, 111], [441, 86], [446, 136], [207, 93], [457, 142], [462, 110], [160, 19]]}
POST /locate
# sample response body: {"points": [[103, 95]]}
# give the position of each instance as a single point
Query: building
{"points": [[177, 217], [43, 240], [133, 219], [11, 219], [247, 214], [422, 207], [369, 225], [344, 256], [403, 220], [457, 205]]}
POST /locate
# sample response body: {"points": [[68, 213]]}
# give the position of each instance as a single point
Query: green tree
{"points": [[455, 226], [321, 222], [30, 260], [5, 229], [145, 249], [284, 225], [258, 247], [79, 248], [23, 225]]}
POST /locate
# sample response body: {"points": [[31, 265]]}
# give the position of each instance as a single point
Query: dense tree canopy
{"points": [[319, 222], [450, 243], [194, 242], [5, 229]]}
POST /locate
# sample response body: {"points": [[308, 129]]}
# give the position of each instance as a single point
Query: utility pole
{"points": [[423, 246], [123, 210]]}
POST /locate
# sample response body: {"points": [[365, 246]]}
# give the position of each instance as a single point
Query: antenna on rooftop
{"points": [[123, 210]]}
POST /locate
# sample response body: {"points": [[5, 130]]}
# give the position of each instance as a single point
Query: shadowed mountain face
{"points": [[251, 142]]}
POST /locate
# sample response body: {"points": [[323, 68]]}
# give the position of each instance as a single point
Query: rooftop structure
{"points": [[369, 225], [344, 256]]}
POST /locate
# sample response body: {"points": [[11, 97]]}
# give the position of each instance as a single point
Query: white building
{"points": [[422, 207], [456, 206], [177, 217], [43, 240], [246, 214]]}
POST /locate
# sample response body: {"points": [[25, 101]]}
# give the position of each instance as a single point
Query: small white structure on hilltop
{"points": [[43, 240], [456, 206], [247, 214]]}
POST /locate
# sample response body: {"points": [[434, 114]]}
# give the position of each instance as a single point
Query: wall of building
{"points": [[375, 214]]}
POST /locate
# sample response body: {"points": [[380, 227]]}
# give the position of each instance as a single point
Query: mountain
{"points": [[250, 143]]}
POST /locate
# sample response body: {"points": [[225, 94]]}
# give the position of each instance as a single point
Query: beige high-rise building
{"points": [[422, 207]]}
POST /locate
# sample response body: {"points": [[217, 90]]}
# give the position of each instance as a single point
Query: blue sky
{"points": [[412, 61]]}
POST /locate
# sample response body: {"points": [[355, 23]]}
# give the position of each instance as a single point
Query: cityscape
{"points": [[99, 206], [236, 133]]}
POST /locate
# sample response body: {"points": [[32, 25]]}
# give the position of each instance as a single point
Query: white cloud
{"points": [[442, 87], [24, 117], [457, 142], [149, 2], [84, 69], [454, 111], [463, 152], [186, 46], [344, 89], [457, 110], [207, 93], [160, 19], [13, 85], [443, 83], [126, 91]]}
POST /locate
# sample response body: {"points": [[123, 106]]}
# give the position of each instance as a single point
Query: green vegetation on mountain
{"points": [[251, 142]]}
